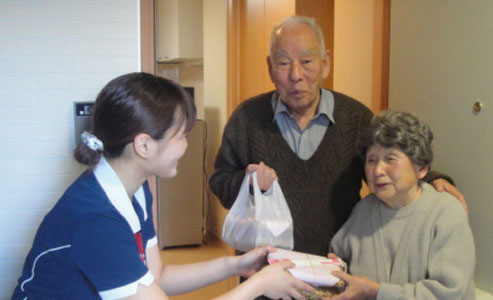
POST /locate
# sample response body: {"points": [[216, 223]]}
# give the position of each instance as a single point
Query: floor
{"points": [[212, 248]]}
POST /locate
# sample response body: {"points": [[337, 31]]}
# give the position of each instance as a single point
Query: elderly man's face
{"points": [[297, 67]]}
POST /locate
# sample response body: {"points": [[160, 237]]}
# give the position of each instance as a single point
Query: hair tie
{"points": [[92, 141]]}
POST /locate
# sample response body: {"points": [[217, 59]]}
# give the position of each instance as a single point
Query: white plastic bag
{"points": [[258, 219]]}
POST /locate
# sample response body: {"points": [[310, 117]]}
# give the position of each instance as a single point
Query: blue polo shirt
{"points": [[86, 247]]}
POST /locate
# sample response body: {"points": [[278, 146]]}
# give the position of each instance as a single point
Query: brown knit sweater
{"points": [[320, 191]]}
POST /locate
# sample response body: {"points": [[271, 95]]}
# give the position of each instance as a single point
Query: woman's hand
{"points": [[272, 281], [277, 283], [358, 287], [252, 261], [333, 256]]}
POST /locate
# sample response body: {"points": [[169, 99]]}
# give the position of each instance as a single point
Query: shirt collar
{"points": [[114, 189], [325, 106]]}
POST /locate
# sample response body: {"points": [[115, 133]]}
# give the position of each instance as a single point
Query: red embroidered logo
{"points": [[140, 245]]}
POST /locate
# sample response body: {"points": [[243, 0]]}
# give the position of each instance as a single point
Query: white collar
{"points": [[114, 189]]}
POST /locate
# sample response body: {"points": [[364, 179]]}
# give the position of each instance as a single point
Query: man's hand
{"points": [[265, 175], [442, 185]]}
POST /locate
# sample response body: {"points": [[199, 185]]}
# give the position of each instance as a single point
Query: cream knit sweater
{"points": [[434, 260]]}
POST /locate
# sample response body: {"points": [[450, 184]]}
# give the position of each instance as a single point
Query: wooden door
{"points": [[440, 65], [250, 24]]}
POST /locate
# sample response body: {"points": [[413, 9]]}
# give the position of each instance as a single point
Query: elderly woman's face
{"points": [[392, 176]]}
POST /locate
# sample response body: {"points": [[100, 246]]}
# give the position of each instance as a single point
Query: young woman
{"points": [[98, 242]]}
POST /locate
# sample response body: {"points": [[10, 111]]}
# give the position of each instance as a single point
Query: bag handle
{"points": [[256, 188], [245, 186]]}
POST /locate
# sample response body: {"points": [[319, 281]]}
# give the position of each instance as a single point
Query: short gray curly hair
{"points": [[403, 130]]}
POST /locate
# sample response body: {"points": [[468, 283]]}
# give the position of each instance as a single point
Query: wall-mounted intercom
{"points": [[82, 118]]}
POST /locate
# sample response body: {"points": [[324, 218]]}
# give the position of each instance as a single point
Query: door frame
{"points": [[148, 65], [147, 33]]}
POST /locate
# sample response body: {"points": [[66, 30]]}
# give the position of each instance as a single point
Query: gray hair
{"points": [[404, 130], [293, 21]]}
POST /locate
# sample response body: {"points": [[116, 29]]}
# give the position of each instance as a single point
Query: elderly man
{"points": [[302, 134]]}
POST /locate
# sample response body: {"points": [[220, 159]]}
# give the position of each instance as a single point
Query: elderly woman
{"points": [[405, 240]]}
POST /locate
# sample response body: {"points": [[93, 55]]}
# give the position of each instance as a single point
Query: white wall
{"points": [[440, 65], [52, 53]]}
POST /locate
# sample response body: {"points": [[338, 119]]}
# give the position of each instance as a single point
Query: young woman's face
{"points": [[169, 150], [392, 176]]}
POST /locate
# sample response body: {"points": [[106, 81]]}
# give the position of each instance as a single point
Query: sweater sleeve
{"points": [[352, 229], [450, 263], [231, 160], [434, 175], [338, 245], [364, 124]]}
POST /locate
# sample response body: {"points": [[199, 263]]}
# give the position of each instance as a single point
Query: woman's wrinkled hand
{"points": [[358, 287]]}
